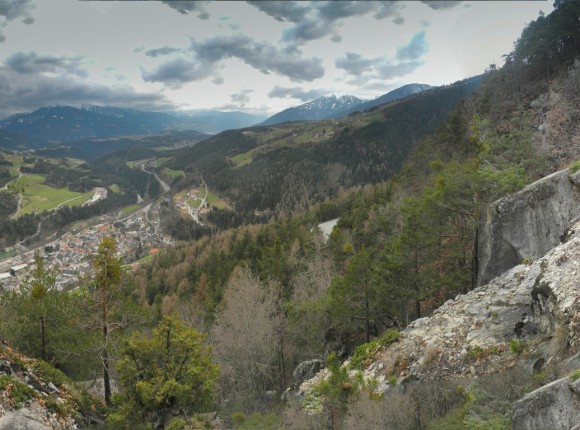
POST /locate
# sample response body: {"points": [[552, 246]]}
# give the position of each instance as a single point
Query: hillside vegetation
{"points": [[408, 183], [288, 168]]}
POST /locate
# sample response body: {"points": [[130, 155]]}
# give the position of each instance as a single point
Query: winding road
{"points": [[166, 188]]}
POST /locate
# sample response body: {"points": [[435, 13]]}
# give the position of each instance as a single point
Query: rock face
{"points": [[29, 400], [306, 370], [22, 419], [536, 304], [555, 406], [527, 224]]}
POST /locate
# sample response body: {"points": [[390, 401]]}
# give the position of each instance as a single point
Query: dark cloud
{"points": [[283, 11], [182, 6], [186, 7], [164, 50], [262, 56], [32, 63], [334, 10], [296, 93], [406, 61], [178, 72], [206, 57], [441, 4], [416, 47], [11, 10], [356, 64], [26, 86], [242, 98], [321, 19]]}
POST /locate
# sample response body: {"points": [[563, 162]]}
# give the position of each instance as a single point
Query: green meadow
{"points": [[39, 197]]}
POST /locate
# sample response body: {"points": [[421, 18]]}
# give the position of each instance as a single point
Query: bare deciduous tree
{"points": [[246, 337]]}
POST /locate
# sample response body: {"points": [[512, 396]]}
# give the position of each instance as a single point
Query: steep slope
{"points": [[66, 124], [525, 321], [289, 167], [35, 396], [323, 107]]}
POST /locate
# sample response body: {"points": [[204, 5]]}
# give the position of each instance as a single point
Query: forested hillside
{"points": [[400, 248], [408, 183], [288, 168]]}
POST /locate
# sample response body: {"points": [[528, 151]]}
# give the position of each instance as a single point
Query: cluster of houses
{"points": [[71, 253], [196, 213]]}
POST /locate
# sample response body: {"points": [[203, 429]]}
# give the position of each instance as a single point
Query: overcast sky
{"points": [[259, 57]]}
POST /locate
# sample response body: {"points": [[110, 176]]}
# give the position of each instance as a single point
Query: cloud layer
{"points": [[406, 60], [11, 10], [296, 93], [204, 58], [29, 80]]}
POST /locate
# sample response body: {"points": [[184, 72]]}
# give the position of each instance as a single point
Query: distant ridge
{"points": [[391, 96], [335, 107], [68, 124], [321, 108]]}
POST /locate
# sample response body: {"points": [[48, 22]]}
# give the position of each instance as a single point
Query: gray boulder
{"points": [[306, 370], [527, 224], [555, 406], [21, 419]]}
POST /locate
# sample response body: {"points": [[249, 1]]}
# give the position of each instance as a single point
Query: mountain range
{"points": [[321, 108], [333, 106], [62, 124], [65, 124]]}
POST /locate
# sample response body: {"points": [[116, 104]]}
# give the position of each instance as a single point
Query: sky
{"points": [[256, 56]]}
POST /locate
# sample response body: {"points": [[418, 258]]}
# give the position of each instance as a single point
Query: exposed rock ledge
{"points": [[555, 406], [538, 303], [527, 224]]}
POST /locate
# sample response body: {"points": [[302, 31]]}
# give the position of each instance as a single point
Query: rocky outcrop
{"points": [[536, 305], [527, 224], [555, 406], [306, 370], [35, 396]]}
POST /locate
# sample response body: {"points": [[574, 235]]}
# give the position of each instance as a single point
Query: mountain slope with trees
{"points": [[275, 295], [288, 168], [66, 124]]}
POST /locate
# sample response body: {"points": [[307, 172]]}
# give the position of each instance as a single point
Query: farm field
{"points": [[38, 197]]}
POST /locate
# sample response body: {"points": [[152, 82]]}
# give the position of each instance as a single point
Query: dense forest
{"points": [[292, 177], [269, 296]]}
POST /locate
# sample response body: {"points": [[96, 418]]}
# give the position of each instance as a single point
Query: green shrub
{"points": [[540, 377], [453, 420], [239, 418], [49, 374], [176, 424], [496, 422], [59, 408], [367, 350], [575, 375], [575, 166], [16, 391], [517, 346]]}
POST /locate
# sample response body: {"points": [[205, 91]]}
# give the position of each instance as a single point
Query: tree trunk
{"points": [[367, 315], [43, 338], [417, 288], [475, 260], [106, 363]]}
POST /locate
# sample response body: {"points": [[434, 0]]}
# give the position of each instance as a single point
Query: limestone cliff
{"points": [[528, 319], [527, 224]]}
